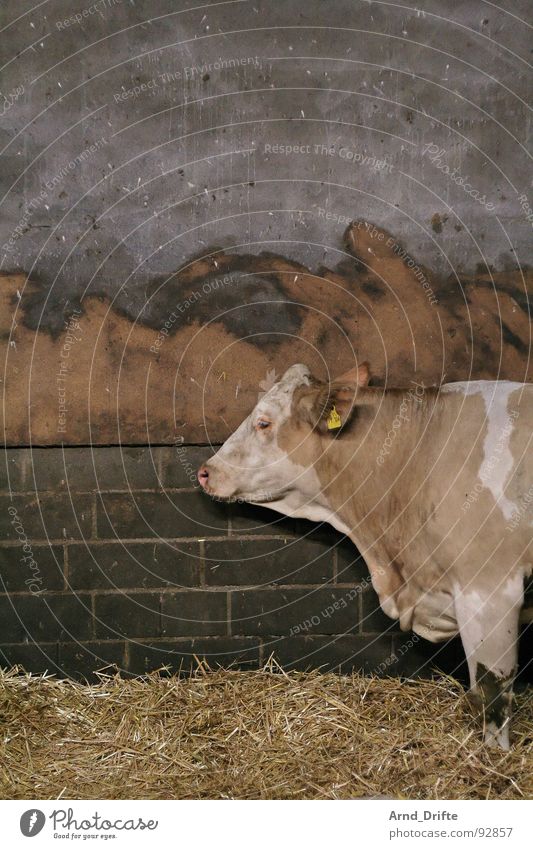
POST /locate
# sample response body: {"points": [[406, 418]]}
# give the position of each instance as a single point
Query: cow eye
{"points": [[262, 424]]}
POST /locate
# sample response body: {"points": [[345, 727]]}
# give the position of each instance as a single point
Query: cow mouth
{"points": [[243, 497], [261, 497]]}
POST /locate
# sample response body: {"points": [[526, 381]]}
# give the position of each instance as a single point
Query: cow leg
{"points": [[488, 624]]}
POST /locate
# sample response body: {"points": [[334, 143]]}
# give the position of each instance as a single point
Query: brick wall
{"points": [[113, 556]]}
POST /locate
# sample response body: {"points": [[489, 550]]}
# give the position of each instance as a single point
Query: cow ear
{"points": [[359, 376], [329, 407]]}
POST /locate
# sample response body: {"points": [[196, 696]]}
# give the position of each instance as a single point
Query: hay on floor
{"points": [[246, 735]]}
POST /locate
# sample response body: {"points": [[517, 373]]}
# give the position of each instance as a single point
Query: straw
{"points": [[269, 734]]}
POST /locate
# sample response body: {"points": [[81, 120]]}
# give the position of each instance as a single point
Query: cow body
{"points": [[434, 487]]}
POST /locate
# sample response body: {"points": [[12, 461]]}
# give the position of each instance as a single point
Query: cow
{"points": [[434, 486]]}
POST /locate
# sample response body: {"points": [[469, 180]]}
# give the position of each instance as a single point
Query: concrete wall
{"points": [[146, 133]]}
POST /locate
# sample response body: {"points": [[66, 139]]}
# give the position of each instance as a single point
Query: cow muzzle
{"points": [[215, 482], [203, 476]]}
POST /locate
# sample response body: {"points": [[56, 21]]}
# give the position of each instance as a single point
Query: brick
{"points": [[255, 562], [348, 653], [12, 469], [121, 615], [179, 464], [52, 516], [93, 469], [32, 657], [58, 469], [294, 611], [46, 572], [351, 567], [82, 661], [45, 617], [525, 653], [196, 613], [133, 565], [12, 629], [65, 660], [127, 468], [251, 519], [164, 515], [374, 620], [418, 658], [179, 654]]}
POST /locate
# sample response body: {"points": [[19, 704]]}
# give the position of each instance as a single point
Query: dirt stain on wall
{"points": [[211, 336]]}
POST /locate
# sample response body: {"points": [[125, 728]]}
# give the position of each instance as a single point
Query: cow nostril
{"points": [[203, 475]]}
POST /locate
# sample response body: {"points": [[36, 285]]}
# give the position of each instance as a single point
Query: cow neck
{"points": [[365, 470]]}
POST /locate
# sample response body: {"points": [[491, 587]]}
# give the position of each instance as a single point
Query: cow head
{"points": [[271, 452]]}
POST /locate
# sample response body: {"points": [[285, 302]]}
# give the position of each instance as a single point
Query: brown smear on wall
{"points": [[241, 321]]}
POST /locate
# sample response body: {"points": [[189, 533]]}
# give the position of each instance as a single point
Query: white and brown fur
{"points": [[439, 519]]}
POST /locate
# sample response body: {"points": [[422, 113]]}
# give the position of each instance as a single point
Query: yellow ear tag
{"points": [[334, 420]]}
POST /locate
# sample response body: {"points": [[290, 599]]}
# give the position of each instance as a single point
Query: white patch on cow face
{"points": [[497, 462], [250, 465]]}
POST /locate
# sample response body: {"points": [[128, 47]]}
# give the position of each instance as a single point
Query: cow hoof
{"points": [[497, 737]]}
